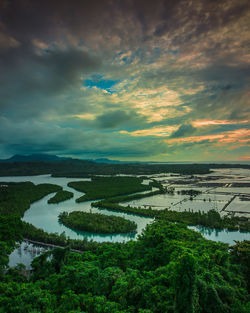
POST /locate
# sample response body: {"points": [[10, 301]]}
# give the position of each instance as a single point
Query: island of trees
{"points": [[96, 222], [105, 187], [60, 196]]}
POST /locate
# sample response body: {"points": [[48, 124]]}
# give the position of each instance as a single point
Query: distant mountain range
{"points": [[54, 158], [33, 158], [104, 160], [51, 158]]}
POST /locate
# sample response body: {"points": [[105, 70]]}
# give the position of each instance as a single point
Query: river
{"points": [[45, 216]]}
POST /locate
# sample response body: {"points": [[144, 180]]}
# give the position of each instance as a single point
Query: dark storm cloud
{"points": [[31, 136], [232, 104], [27, 88], [225, 76], [183, 131], [49, 72], [114, 119], [47, 19], [211, 14]]}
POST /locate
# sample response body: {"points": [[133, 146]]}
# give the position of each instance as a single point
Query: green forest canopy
{"points": [[168, 269]]}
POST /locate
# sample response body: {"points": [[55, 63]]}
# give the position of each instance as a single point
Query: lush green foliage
{"points": [[60, 196], [16, 198], [168, 269], [210, 219], [105, 187], [241, 255], [31, 232], [96, 222]]}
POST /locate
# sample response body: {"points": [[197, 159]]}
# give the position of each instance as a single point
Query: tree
{"points": [[185, 284]]}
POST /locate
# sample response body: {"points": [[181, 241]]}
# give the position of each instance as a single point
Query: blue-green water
{"points": [[45, 216], [224, 235]]}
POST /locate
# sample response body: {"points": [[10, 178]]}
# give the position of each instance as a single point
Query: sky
{"points": [[126, 79]]}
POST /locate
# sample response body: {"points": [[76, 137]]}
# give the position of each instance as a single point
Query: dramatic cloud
{"points": [[134, 79], [183, 131]]}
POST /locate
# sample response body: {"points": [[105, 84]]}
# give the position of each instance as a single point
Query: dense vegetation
{"points": [[60, 196], [241, 254], [80, 168], [134, 196], [97, 223], [210, 219], [15, 198], [105, 187], [31, 232], [168, 269], [84, 168]]}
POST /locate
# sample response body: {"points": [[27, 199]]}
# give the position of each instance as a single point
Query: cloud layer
{"points": [[133, 80]]}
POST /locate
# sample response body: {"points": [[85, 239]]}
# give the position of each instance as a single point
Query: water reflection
{"points": [[25, 253], [224, 235]]}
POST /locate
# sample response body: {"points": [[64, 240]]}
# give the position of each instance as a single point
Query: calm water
{"points": [[25, 255], [181, 202], [228, 236], [45, 216]]}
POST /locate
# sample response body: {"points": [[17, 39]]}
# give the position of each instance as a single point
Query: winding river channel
{"points": [[45, 216]]}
